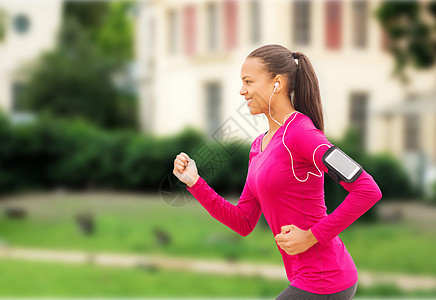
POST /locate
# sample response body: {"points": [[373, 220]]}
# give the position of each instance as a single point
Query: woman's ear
{"points": [[280, 81]]}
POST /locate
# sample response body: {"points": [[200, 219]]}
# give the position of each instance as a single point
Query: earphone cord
{"points": [[269, 107], [292, 160]]}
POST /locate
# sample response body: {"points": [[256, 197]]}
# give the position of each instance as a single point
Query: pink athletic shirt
{"points": [[272, 189]]}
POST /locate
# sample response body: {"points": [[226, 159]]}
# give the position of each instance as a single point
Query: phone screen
{"points": [[342, 164]]}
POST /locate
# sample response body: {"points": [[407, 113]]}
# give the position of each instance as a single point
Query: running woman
{"points": [[285, 178]]}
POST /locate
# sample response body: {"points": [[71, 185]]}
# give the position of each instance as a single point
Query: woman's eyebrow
{"points": [[245, 77]]}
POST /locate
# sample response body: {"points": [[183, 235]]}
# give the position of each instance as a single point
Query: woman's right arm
{"points": [[242, 218]]}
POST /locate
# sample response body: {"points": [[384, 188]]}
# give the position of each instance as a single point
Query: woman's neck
{"points": [[280, 108]]}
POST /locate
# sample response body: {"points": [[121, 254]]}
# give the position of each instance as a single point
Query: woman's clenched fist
{"points": [[185, 169]]}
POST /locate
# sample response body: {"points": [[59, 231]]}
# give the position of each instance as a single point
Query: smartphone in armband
{"points": [[341, 167]]}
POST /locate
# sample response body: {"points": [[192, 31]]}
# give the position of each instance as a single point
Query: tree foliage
{"points": [[76, 79], [107, 24], [411, 30], [115, 36], [89, 14]]}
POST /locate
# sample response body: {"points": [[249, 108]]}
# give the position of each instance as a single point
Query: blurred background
{"points": [[97, 99]]}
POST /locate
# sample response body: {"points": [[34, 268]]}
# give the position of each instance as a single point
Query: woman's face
{"points": [[257, 85]]}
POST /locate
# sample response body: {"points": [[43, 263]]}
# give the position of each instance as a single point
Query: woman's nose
{"points": [[242, 91]]}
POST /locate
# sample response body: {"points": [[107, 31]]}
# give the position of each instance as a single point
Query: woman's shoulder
{"points": [[304, 138], [298, 126], [303, 122], [301, 130]]}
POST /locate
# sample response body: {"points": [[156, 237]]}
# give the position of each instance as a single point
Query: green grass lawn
{"points": [[37, 279], [126, 223], [41, 279], [391, 248]]}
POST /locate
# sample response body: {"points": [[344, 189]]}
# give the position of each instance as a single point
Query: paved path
{"points": [[269, 271]]}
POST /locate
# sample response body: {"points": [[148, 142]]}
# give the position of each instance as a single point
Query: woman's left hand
{"points": [[293, 240]]}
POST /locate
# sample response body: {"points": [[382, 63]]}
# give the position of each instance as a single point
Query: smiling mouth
{"points": [[249, 101]]}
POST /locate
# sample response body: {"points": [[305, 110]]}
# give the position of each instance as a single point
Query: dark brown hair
{"points": [[302, 80]]}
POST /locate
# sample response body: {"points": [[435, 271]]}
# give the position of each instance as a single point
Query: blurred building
{"points": [[29, 28], [190, 53], [409, 128]]}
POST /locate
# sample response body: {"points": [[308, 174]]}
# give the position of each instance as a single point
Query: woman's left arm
{"points": [[363, 194]]}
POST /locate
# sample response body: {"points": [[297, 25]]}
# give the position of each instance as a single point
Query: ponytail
{"points": [[307, 98], [301, 78]]}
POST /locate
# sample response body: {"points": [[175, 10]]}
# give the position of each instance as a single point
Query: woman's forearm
{"points": [[242, 218]]}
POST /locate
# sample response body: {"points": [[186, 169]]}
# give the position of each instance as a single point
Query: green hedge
{"points": [[52, 153]]}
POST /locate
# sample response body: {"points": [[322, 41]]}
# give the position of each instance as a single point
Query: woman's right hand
{"points": [[185, 169]]}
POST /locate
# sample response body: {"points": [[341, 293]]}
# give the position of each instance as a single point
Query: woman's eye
{"points": [[247, 81]]}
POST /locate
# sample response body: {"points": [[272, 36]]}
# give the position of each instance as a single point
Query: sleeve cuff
{"points": [[200, 181], [318, 235]]}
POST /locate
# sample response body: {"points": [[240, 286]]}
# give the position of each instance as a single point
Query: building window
{"points": [[333, 24], [152, 37], [212, 24], [189, 29], [385, 41], [359, 114], [17, 91], [411, 132], [360, 23], [301, 22], [172, 32], [20, 114], [2, 24], [213, 100], [21, 23], [255, 21], [231, 23]]}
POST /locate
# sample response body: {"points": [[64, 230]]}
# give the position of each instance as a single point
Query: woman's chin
{"points": [[254, 111]]}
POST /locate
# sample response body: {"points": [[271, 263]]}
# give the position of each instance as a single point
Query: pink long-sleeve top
{"points": [[272, 188]]}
